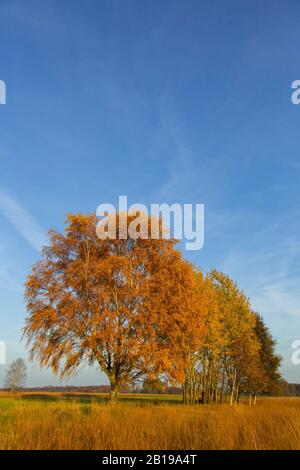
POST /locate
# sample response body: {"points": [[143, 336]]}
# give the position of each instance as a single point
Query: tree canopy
{"points": [[141, 312]]}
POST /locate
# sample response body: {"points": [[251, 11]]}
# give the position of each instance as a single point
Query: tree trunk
{"points": [[186, 387], [222, 385], [237, 397], [216, 398], [193, 385], [114, 393], [233, 388], [184, 393]]}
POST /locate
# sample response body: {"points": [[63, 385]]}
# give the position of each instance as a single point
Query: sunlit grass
{"points": [[274, 423]]}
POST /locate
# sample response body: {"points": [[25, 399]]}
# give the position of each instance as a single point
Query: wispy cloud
{"points": [[265, 264], [22, 220], [294, 164], [10, 279], [183, 183]]}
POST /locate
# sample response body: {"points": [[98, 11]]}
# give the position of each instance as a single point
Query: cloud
{"points": [[9, 280], [188, 176], [265, 263], [23, 221], [280, 300], [294, 164], [266, 266]]}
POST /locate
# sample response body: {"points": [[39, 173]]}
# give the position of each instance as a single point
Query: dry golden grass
{"points": [[274, 423]]}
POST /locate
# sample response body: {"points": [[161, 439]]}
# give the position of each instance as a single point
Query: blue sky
{"points": [[164, 101]]}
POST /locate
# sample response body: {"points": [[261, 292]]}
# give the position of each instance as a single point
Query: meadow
{"points": [[157, 422]]}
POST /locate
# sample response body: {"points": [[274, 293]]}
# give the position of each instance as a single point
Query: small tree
{"points": [[153, 386], [16, 375]]}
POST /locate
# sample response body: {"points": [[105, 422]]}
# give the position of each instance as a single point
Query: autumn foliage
{"points": [[139, 310]]}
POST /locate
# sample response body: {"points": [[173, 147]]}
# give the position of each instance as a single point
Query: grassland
{"points": [[82, 421]]}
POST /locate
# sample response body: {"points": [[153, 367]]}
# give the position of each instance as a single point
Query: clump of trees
{"points": [[237, 352], [143, 313]]}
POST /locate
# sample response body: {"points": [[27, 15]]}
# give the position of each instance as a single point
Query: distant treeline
{"points": [[97, 389], [288, 389], [291, 389]]}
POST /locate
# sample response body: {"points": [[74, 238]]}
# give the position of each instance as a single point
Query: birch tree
{"points": [[16, 375], [121, 304]]}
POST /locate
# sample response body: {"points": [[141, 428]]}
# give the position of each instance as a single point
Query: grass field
{"points": [[82, 421]]}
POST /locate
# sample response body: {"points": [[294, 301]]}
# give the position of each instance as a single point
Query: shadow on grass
{"points": [[90, 398]]}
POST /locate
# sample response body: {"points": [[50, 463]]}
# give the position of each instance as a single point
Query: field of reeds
{"points": [[56, 421]]}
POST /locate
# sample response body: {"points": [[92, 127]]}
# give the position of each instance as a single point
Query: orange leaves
{"points": [[121, 303], [136, 308]]}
